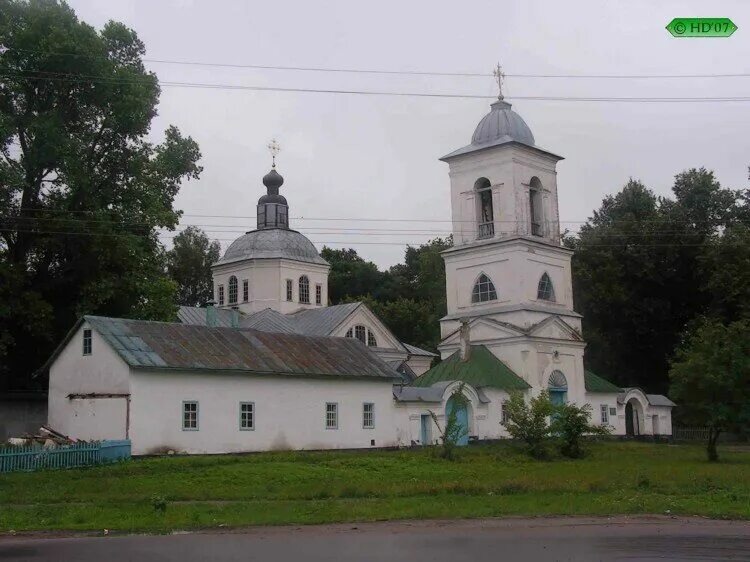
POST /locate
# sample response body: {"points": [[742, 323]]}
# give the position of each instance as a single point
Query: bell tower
{"points": [[508, 263]]}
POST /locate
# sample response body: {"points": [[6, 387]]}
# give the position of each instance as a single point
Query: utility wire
{"points": [[215, 86], [395, 72]]}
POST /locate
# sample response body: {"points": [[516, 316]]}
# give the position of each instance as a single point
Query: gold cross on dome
{"points": [[499, 76], [274, 149]]}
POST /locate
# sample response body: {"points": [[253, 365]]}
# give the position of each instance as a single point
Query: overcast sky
{"points": [[373, 157]]}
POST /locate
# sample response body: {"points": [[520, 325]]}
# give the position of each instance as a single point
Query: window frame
{"points": [[504, 412], [197, 415], [252, 416], [365, 413], [233, 290], [221, 295], [87, 338], [604, 413], [363, 329], [303, 289], [372, 340], [245, 290], [549, 289], [483, 280], [289, 290], [335, 412], [318, 294]]}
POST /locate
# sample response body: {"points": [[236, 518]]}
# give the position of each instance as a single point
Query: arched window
{"points": [[304, 290], [486, 226], [484, 290], [371, 339], [232, 290], [545, 291], [362, 334], [536, 211]]}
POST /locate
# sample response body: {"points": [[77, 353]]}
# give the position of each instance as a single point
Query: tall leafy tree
{"points": [[351, 276], [643, 269], [710, 377], [189, 265], [82, 190]]}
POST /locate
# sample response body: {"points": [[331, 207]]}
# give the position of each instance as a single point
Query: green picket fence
{"points": [[36, 457]]}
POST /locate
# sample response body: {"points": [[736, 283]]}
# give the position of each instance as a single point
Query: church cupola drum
{"points": [[272, 209]]}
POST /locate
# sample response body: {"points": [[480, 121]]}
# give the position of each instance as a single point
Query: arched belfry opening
{"points": [[536, 208], [485, 210]]}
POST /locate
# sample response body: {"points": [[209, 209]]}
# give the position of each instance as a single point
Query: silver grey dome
{"points": [[500, 125], [272, 243]]}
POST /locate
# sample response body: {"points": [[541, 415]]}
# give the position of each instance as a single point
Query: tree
{"points": [[638, 277], [724, 263], [83, 192], [710, 376], [453, 431], [529, 422], [351, 277], [189, 265], [569, 424]]}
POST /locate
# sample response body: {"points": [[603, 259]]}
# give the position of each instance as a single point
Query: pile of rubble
{"points": [[46, 436]]}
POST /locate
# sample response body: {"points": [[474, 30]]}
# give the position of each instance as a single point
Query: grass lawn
{"points": [[326, 487]]}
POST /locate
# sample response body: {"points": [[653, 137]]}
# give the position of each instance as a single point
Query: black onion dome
{"points": [[273, 179]]}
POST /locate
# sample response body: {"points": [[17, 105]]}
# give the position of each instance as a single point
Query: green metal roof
{"points": [[594, 383], [482, 369]]}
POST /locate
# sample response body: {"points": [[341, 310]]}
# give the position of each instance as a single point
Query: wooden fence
{"points": [[36, 457], [690, 433]]}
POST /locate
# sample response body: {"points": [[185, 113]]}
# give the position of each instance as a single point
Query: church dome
{"points": [[272, 243], [501, 125]]}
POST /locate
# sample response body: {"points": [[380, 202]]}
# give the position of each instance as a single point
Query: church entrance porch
{"points": [[633, 418]]}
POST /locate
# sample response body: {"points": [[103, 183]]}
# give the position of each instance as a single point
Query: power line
{"points": [[399, 72], [240, 87]]}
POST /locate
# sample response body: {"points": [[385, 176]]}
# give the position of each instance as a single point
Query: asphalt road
{"points": [[580, 539]]}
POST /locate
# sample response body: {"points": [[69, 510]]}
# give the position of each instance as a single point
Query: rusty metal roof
{"points": [[175, 346]]}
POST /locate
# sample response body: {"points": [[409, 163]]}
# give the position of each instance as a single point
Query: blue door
{"points": [[462, 418], [557, 396], [425, 437]]}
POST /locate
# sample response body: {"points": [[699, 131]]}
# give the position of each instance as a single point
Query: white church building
{"points": [[271, 366]]}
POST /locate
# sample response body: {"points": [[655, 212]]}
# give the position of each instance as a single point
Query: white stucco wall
{"points": [[102, 372], [290, 413], [267, 284]]}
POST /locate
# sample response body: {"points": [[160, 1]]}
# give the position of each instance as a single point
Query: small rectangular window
{"points": [[368, 415], [247, 415], [289, 286], [245, 291], [190, 416], [87, 342], [332, 415], [503, 413], [613, 412], [605, 413], [221, 295], [318, 294]]}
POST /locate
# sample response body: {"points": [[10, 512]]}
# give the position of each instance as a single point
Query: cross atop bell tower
{"points": [[500, 78]]}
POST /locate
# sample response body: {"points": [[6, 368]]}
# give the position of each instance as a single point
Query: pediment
{"points": [[555, 328], [483, 329], [366, 317]]}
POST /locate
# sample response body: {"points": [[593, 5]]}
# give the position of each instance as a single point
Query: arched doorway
{"points": [[462, 418], [633, 418], [558, 388]]}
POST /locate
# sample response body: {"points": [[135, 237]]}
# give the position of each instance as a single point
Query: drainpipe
{"points": [[465, 340], [211, 314]]}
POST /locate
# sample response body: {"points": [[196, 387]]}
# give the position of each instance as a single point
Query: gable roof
{"points": [[174, 346], [414, 350], [268, 320], [322, 321], [482, 369], [197, 316], [594, 383]]}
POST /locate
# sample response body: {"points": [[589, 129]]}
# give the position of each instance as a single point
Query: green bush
{"points": [[569, 424], [529, 422]]}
